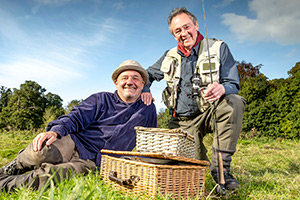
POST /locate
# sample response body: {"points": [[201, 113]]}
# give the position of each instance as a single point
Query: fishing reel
{"points": [[196, 89]]}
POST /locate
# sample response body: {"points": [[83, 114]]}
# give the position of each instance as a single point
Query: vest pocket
{"points": [[166, 97]]}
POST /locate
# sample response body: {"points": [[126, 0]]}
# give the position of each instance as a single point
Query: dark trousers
{"points": [[59, 159], [229, 116]]}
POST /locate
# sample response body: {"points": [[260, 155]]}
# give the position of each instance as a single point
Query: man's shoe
{"points": [[230, 181], [11, 169]]}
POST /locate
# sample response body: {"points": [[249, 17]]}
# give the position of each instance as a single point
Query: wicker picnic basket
{"points": [[175, 142], [184, 179]]}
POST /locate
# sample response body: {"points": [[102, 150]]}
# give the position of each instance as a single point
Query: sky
{"points": [[71, 47]]}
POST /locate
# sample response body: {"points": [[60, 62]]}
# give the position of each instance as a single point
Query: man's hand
{"points": [[40, 138], [147, 98], [214, 92]]}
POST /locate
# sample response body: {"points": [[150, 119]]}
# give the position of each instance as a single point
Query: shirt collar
{"points": [[194, 51], [183, 50]]}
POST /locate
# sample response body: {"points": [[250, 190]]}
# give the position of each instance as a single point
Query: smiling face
{"points": [[129, 85], [184, 30]]}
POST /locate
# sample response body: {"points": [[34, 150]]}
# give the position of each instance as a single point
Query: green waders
{"points": [[229, 116]]}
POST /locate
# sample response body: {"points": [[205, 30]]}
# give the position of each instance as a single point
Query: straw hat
{"points": [[130, 65]]}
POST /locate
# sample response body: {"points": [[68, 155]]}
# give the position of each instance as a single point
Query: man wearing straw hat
{"points": [[73, 142], [197, 105]]}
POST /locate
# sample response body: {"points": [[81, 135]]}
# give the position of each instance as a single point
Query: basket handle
{"points": [[113, 176], [188, 135]]}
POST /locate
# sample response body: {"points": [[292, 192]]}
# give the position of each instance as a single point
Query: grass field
{"points": [[267, 169]]}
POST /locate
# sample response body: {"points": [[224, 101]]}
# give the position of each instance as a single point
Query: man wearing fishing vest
{"points": [[197, 105]]}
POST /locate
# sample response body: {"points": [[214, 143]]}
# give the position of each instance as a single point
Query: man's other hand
{"points": [[147, 98], [50, 137]]}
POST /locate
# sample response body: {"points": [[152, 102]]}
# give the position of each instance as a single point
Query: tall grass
{"points": [[267, 169], [11, 142]]}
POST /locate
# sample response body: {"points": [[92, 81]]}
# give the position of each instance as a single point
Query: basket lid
{"points": [[164, 130], [157, 155]]}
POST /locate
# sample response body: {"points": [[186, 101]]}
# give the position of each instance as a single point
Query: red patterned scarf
{"points": [[184, 51]]}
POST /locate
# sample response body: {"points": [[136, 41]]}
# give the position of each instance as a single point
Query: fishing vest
{"points": [[171, 67]]}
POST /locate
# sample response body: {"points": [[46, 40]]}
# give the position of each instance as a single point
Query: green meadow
{"points": [[267, 169]]}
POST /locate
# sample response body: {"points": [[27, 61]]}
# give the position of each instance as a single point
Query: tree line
{"points": [[273, 106], [30, 107]]}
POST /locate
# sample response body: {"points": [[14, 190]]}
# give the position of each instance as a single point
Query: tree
{"points": [[163, 118], [53, 108], [4, 95], [72, 104], [26, 106], [294, 72], [247, 70], [273, 106], [54, 105], [53, 100], [290, 124], [275, 84], [255, 88]]}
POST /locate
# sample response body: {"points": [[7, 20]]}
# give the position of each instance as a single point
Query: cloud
{"points": [[109, 33], [224, 3], [59, 54], [276, 20], [35, 9], [42, 56], [53, 2], [43, 72], [54, 57], [118, 5], [9, 28], [293, 53]]}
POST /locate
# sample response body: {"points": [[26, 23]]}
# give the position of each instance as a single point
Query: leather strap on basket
{"points": [[129, 183]]}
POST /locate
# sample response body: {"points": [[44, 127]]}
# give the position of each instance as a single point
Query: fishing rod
{"points": [[220, 187]]}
